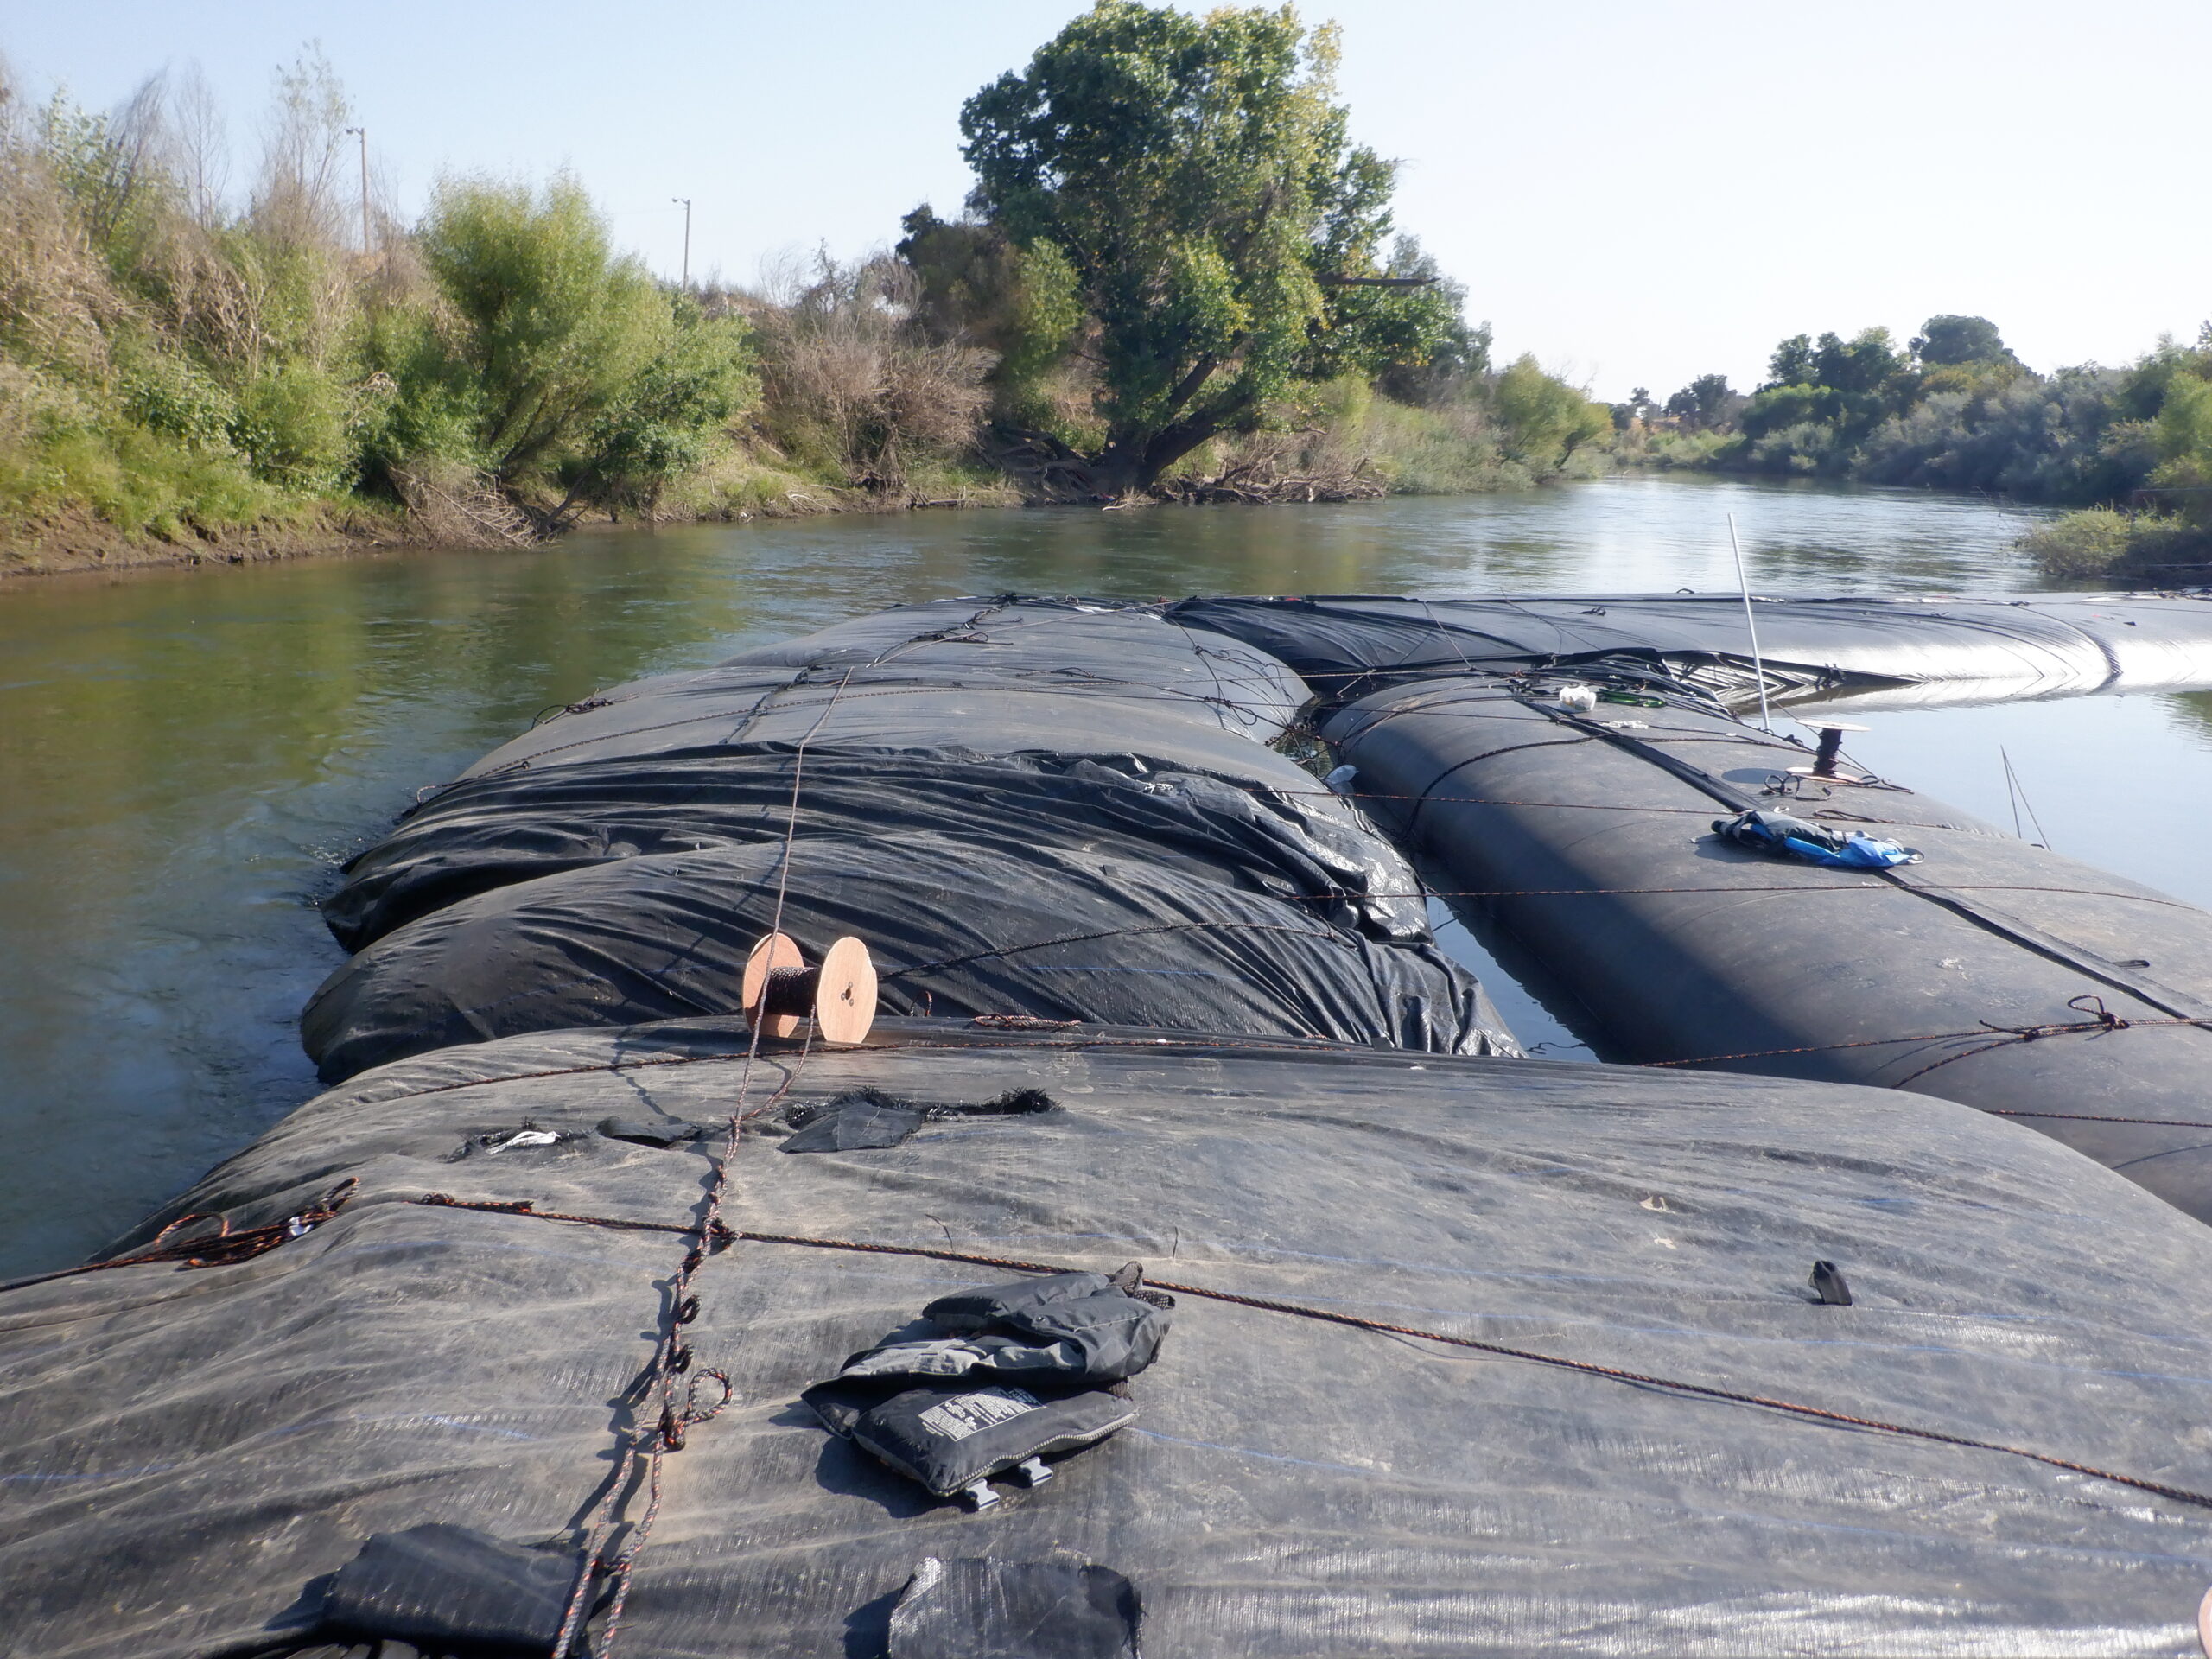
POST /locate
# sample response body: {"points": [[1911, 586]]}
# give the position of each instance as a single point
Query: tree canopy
{"points": [[1948, 340], [1225, 236]]}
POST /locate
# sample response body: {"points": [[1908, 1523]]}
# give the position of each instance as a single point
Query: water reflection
{"points": [[184, 757]]}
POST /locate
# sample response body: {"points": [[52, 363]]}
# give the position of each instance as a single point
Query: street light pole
{"points": [[362, 133], [685, 203]]}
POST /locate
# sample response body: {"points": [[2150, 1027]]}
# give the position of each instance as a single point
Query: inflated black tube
{"points": [[1994, 973], [1052, 808], [1877, 650]]}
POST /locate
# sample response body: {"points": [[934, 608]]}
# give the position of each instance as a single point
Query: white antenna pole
{"points": [[1744, 586]]}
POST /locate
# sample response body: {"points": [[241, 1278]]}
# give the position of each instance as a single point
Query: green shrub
{"points": [[2080, 544], [291, 425], [1542, 420], [554, 325]]}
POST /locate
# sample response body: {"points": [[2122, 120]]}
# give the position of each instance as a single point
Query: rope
{"points": [[1357, 1322], [1334, 894], [681, 1407], [2101, 1019], [220, 1248], [1324, 935]]}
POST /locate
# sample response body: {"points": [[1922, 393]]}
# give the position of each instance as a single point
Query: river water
{"points": [[185, 757]]}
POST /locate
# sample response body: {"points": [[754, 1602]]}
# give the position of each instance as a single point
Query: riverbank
{"points": [[1370, 450], [77, 542]]}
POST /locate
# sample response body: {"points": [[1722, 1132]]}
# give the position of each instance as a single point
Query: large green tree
{"points": [[1224, 235]]}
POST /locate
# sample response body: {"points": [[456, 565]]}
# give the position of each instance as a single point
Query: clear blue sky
{"points": [[1637, 191]]}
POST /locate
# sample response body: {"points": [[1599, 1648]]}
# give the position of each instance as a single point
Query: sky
{"points": [[1636, 191]]}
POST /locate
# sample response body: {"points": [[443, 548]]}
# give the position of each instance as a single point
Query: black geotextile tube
{"points": [[1296, 840], [1292, 1486], [1058, 932], [994, 678], [1898, 651], [1052, 808], [1994, 973]]}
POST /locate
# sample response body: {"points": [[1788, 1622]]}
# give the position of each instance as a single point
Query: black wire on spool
{"points": [[791, 990], [1824, 758]]}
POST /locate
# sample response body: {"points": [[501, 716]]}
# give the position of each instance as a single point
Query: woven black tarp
{"points": [[991, 676], [187, 1452], [1993, 973], [1293, 839], [1054, 809], [1871, 652], [1054, 932]]}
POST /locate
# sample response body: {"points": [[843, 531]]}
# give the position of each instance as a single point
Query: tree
{"points": [[1543, 421], [1863, 365], [1708, 403], [1792, 363], [973, 285], [1947, 339], [1196, 177], [556, 325], [1844, 386]]}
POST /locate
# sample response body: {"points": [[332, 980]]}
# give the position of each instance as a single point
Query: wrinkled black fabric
{"points": [[999, 676], [1085, 1326], [989, 1305], [984, 1609], [1287, 837], [1056, 810], [1067, 934], [450, 1587], [857, 1123], [1115, 1334]]}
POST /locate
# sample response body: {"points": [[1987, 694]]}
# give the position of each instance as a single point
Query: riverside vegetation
{"points": [[1177, 278], [2129, 449]]}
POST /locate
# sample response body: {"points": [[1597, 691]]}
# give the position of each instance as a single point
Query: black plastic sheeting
{"points": [[1294, 839], [213, 1445], [1867, 652], [1056, 932], [991, 676], [1057, 810], [1993, 973]]}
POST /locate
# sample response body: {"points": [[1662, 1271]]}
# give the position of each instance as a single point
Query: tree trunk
{"points": [[1133, 462]]}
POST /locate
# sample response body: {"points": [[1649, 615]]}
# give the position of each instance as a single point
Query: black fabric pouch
{"points": [[1113, 1334], [951, 1435], [1015, 1610], [450, 1588], [971, 1310]]}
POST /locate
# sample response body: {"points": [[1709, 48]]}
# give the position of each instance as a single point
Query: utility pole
{"points": [[362, 133], [685, 203]]}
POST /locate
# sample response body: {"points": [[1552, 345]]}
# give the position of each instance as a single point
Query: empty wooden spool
{"points": [[779, 990]]}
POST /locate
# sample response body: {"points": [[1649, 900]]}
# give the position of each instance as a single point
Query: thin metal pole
{"points": [[1744, 586], [362, 133], [686, 203]]}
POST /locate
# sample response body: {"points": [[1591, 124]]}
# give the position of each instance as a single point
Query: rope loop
{"points": [[2103, 1015]]}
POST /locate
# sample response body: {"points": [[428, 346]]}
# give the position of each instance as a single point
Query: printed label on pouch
{"points": [[971, 1414]]}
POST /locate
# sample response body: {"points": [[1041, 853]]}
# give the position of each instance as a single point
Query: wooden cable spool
{"points": [[1831, 748], [779, 990]]}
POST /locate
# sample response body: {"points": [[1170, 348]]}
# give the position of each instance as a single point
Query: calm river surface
{"points": [[185, 757]]}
